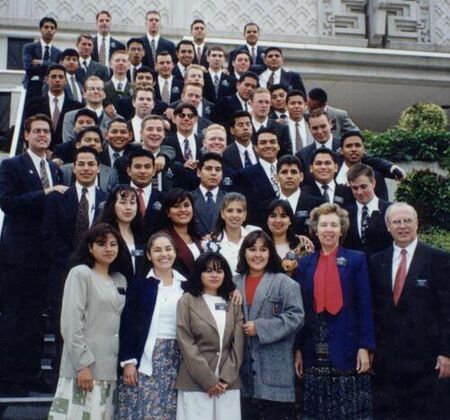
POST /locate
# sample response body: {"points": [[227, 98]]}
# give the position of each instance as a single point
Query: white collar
{"points": [[331, 186], [214, 191], [372, 205], [267, 165], [100, 37], [147, 190], [156, 38], [60, 97], [243, 148], [177, 277], [328, 144], [79, 187], [35, 158], [43, 44], [409, 249]]}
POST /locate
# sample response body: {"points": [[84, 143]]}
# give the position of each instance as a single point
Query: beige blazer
{"points": [[90, 319], [198, 339]]}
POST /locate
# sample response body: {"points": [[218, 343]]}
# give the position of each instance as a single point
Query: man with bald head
{"points": [[411, 295]]}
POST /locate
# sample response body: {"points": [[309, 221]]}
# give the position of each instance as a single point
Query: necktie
{"points": [[247, 161], [298, 137], [400, 277], [210, 204], [102, 52], [46, 53], [116, 155], [155, 182], [73, 88], [133, 73], [245, 106], [187, 150], [141, 200], [364, 223], [165, 95], [325, 193], [273, 179], [271, 80], [119, 87], [82, 219], [44, 175], [199, 55], [56, 113], [216, 85], [253, 55], [153, 48], [85, 66]]}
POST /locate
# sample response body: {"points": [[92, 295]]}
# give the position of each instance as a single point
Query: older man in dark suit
{"points": [[411, 301], [25, 182]]}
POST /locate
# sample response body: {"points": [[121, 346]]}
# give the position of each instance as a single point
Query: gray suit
{"points": [[267, 371], [107, 177], [340, 121], [205, 224], [94, 69]]}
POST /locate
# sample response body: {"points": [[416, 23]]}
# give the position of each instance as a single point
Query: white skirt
{"points": [[200, 406]]}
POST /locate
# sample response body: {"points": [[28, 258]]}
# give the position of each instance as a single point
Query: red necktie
{"points": [[140, 194], [400, 277]]}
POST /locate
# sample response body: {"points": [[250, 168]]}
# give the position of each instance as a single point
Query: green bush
{"points": [[398, 144], [439, 238], [429, 194], [423, 116]]}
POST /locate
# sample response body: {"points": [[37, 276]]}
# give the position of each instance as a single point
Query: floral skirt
{"points": [[332, 393], [71, 403], [154, 397]]}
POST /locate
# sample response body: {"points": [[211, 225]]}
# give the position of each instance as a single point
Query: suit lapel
{"points": [[32, 174], [202, 310], [417, 262]]}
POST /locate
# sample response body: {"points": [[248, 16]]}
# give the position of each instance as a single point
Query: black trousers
{"points": [[258, 409]]}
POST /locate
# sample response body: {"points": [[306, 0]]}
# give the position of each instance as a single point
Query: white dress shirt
{"points": [[243, 103], [43, 45], [181, 68], [146, 191], [83, 60], [136, 123], [111, 153], [258, 124], [90, 198], [396, 258], [37, 165], [372, 206], [292, 132], [156, 38], [265, 76], [328, 144], [162, 81], [292, 199], [192, 144], [214, 192], [267, 166], [117, 81], [341, 177], [52, 103], [331, 189], [251, 153]]}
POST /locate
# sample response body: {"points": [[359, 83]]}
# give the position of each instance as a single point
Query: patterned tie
{"points": [[271, 80], [102, 52], [153, 48], [46, 53], [141, 201], [364, 223], [216, 85], [247, 161], [155, 182], [119, 87], [400, 277], [44, 175], [82, 219], [187, 150], [56, 113], [325, 194], [165, 95], [73, 88], [85, 66], [199, 55], [298, 137], [273, 179]]}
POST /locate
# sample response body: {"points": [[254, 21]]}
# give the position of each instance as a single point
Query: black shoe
{"points": [[13, 390]]}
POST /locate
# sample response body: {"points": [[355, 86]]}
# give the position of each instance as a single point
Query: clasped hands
{"points": [[218, 389]]}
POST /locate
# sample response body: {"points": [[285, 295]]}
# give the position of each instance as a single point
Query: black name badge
{"points": [[222, 306]]}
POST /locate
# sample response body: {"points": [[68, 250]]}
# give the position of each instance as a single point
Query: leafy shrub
{"points": [[423, 116], [440, 238], [429, 194]]}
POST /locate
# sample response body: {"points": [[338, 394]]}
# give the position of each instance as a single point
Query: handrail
{"points": [[15, 140]]}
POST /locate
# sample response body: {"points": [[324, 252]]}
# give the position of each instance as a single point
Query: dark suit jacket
{"points": [[23, 201], [284, 139], [163, 45], [172, 141], [305, 204], [292, 80], [152, 211], [203, 59], [114, 45], [204, 223], [124, 107], [42, 105], [226, 87], [225, 107], [259, 56], [112, 95], [175, 90], [377, 235], [232, 158], [305, 155], [33, 51], [342, 194], [106, 160], [94, 69], [412, 334], [352, 327]]}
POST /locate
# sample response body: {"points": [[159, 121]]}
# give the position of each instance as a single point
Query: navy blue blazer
{"points": [[175, 90], [137, 317], [152, 212], [225, 107], [352, 328], [305, 205], [232, 158], [172, 141], [114, 45], [342, 194], [33, 51], [163, 45], [259, 56], [226, 87]]}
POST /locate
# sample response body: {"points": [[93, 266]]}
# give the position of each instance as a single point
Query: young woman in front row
{"points": [[273, 313], [210, 336], [94, 296]]}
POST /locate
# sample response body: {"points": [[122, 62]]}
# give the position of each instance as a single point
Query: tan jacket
{"points": [[200, 348]]}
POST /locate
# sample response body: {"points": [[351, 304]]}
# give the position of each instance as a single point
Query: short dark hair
{"points": [[46, 19], [251, 24], [152, 12], [145, 69], [266, 131], [249, 74], [242, 52], [84, 112], [118, 120], [162, 54], [215, 48], [69, 52], [274, 263], [318, 94], [84, 35], [209, 156], [85, 149], [272, 48], [56, 67], [289, 160], [317, 113], [135, 40], [203, 262], [295, 92], [359, 169], [183, 105], [352, 133], [197, 21], [145, 89], [93, 129], [37, 117], [185, 42], [278, 86], [326, 151], [102, 12], [139, 153], [239, 114]]}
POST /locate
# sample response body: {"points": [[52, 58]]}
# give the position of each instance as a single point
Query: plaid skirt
{"points": [[154, 397]]}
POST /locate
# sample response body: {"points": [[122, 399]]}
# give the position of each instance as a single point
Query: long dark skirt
{"points": [[331, 393], [155, 397]]}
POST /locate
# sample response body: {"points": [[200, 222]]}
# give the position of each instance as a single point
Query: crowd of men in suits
{"points": [[157, 115]]}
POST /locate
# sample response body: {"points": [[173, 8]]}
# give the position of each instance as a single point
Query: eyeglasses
{"points": [[40, 130], [183, 115], [406, 222]]}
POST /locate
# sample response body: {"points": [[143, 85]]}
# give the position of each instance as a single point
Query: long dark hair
{"points": [[108, 214], [286, 207], [174, 197], [98, 233], [231, 197], [274, 263], [215, 261]]}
